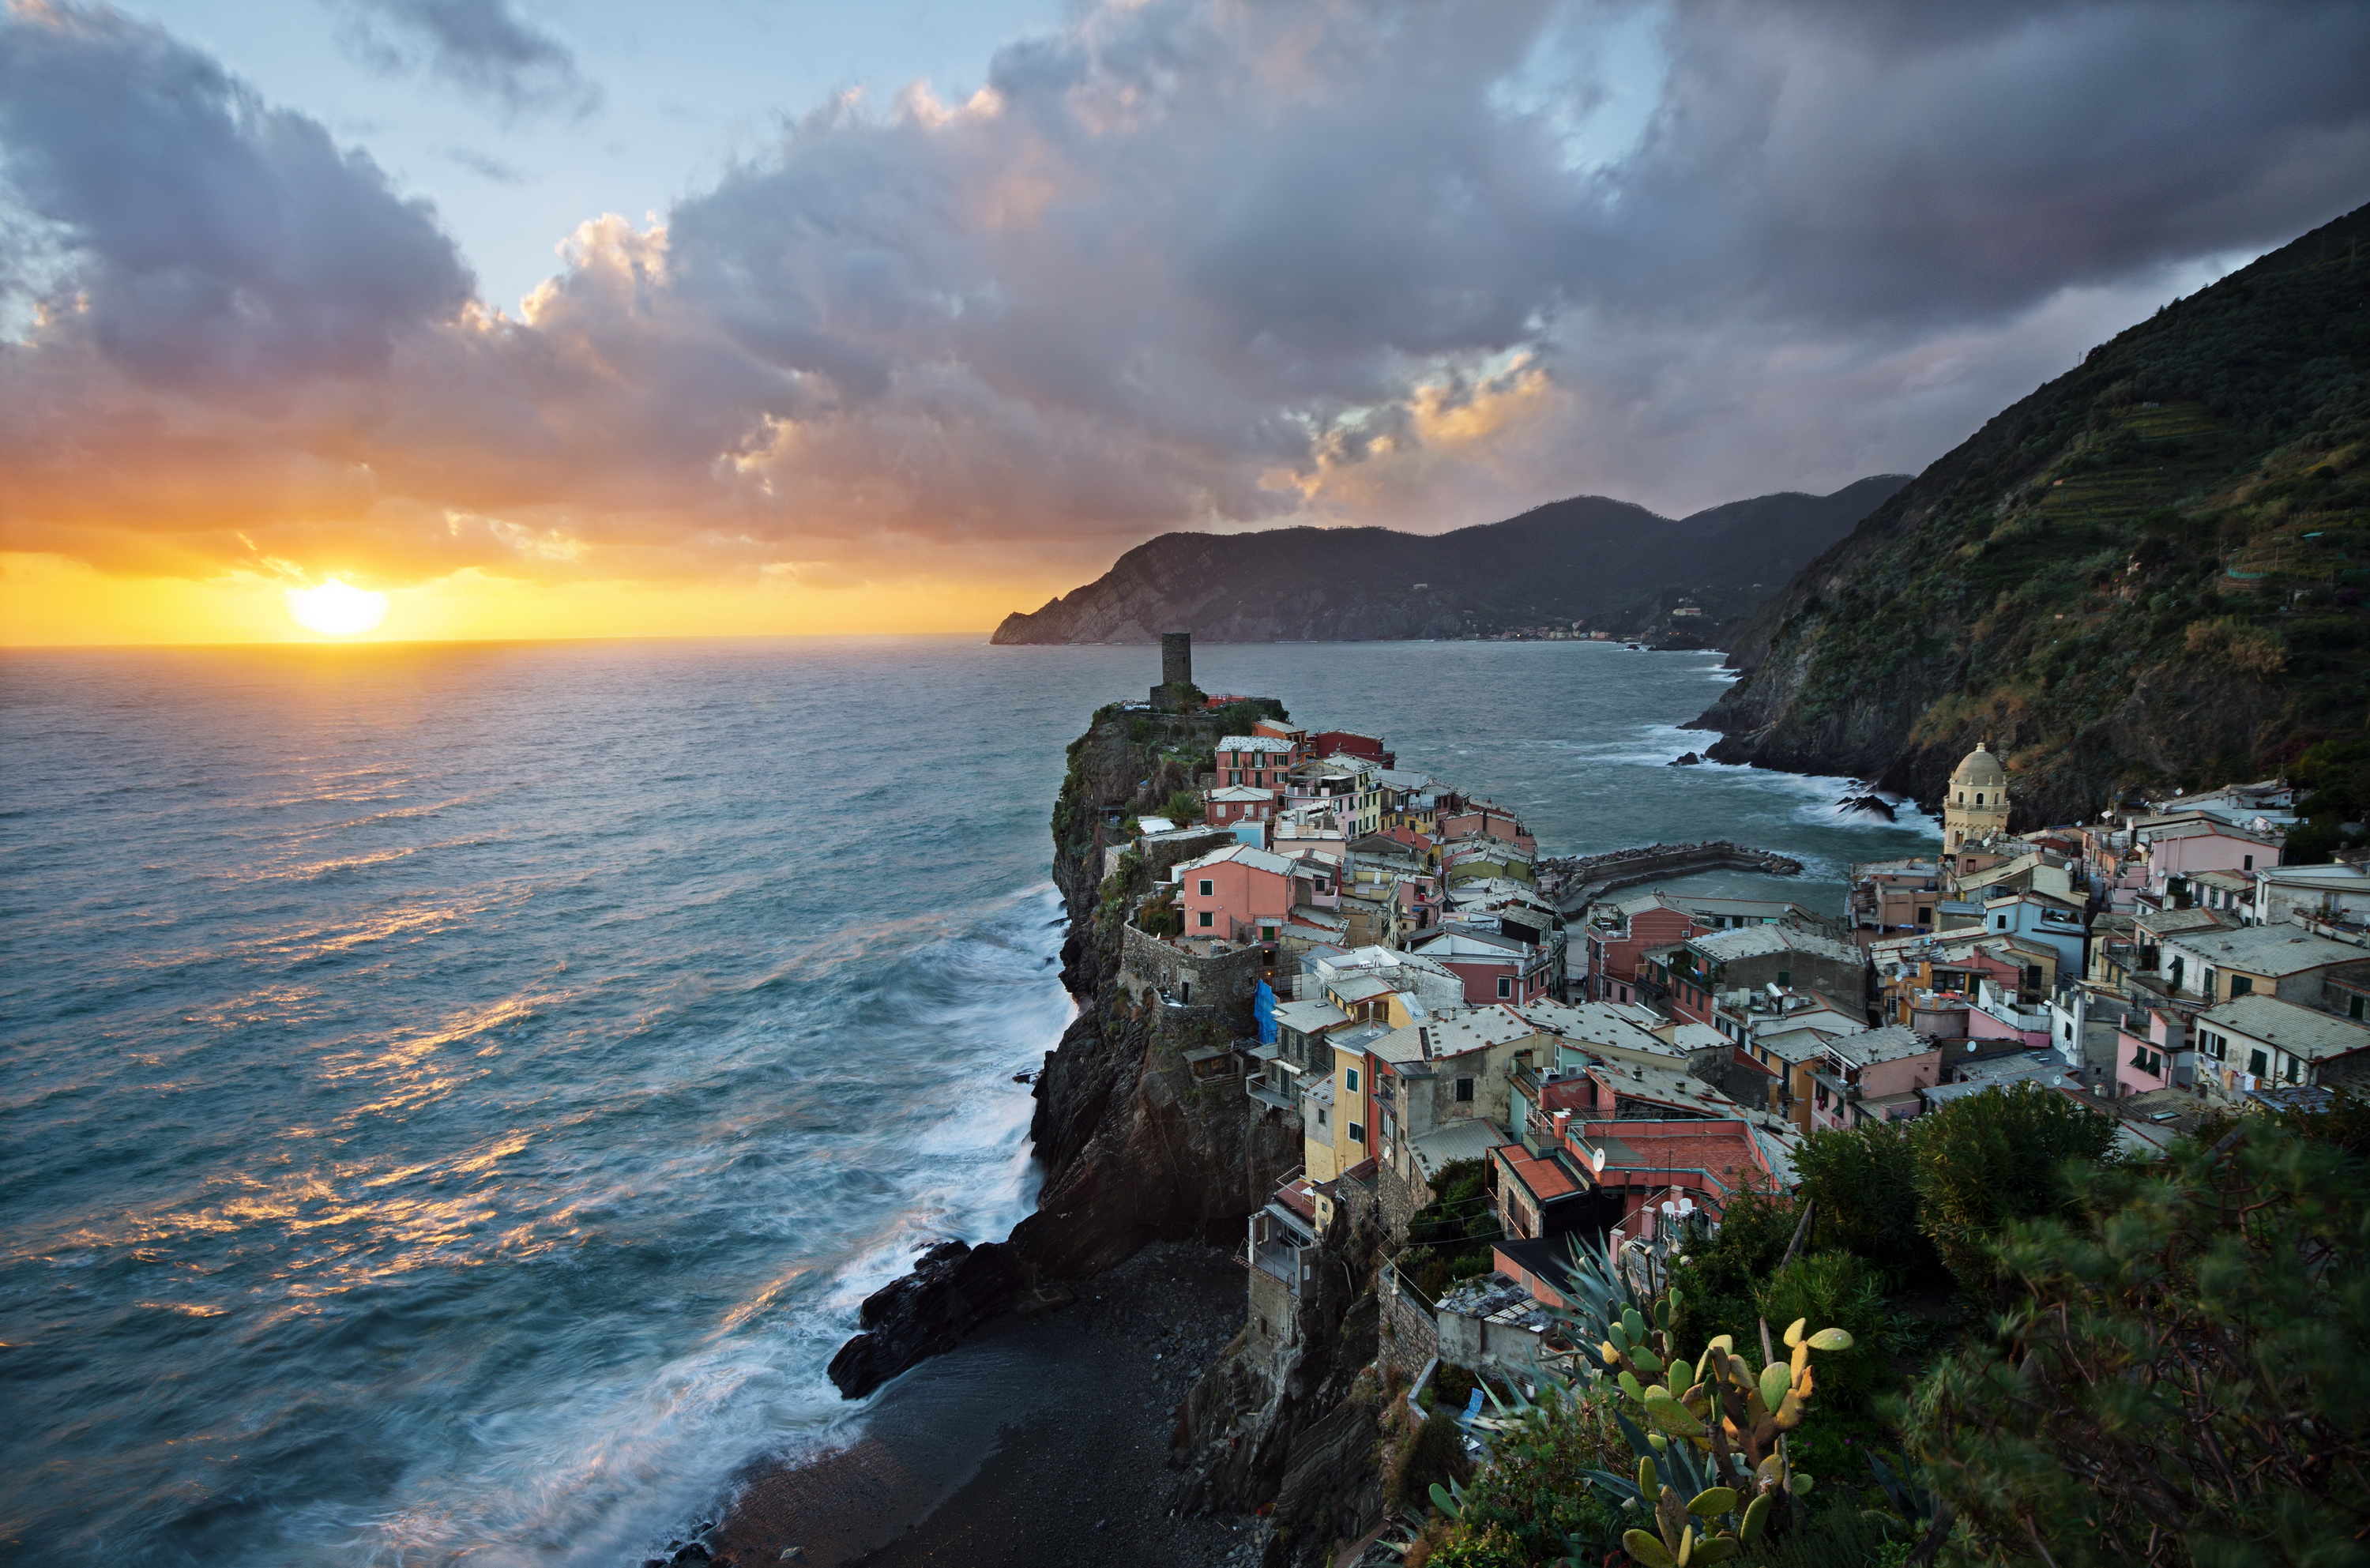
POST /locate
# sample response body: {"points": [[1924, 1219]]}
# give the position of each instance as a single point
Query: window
{"points": [[2354, 1007], [1505, 985], [1357, 1133], [2242, 986], [1350, 1079], [2250, 862], [1925, 914], [1320, 1116], [2258, 1065], [1205, 919], [1465, 1092], [1208, 887], [1979, 797], [1785, 977]]}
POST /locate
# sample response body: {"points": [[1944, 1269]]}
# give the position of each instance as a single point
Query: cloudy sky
{"points": [[769, 315]]}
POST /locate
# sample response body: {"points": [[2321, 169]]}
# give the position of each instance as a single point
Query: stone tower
{"points": [[1976, 805], [1177, 658], [1176, 693]]}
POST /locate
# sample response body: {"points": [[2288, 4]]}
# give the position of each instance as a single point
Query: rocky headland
{"points": [[1134, 1150]]}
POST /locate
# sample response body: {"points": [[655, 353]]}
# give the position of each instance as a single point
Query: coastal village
{"points": [[1375, 958]]}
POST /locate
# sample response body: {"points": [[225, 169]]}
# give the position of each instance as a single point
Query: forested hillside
{"points": [[2150, 572]]}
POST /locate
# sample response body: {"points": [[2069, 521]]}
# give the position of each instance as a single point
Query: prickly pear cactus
{"points": [[1714, 1423]]}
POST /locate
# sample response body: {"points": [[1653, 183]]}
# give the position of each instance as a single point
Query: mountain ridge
{"points": [[1587, 558], [2149, 573]]}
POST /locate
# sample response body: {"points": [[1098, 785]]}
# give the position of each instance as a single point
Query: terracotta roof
{"points": [[1543, 1179]]}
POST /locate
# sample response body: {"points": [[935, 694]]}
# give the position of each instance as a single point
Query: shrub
{"points": [[1448, 1239], [1994, 1157], [1491, 1548], [1863, 1183], [1535, 1488], [1839, 1288], [1433, 1453], [2242, 647], [2184, 1378], [1724, 1271]]}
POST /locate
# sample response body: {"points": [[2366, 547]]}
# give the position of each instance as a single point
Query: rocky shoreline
{"points": [[1040, 1440]]}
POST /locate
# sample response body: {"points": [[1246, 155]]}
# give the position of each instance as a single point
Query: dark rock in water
{"points": [[1024, 1077], [1686, 759], [1866, 803], [694, 1552], [953, 1288]]}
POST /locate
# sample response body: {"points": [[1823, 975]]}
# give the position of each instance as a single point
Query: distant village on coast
{"points": [[1387, 964]]}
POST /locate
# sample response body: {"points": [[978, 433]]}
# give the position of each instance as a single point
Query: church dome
{"points": [[1980, 768]]}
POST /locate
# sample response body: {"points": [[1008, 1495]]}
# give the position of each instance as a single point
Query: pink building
{"points": [[1258, 762], [1873, 1076], [1485, 821], [1614, 948], [1494, 968], [2177, 850], [2145, 1050], [1236, 894], [1229, 804]]}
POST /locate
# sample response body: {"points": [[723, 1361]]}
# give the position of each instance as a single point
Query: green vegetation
{"points": [[1536, 1492], [1448, 1239], [1994, 1157], [2182, 1377], [1679, 1459], [2170, 542], [2164, 1363]]}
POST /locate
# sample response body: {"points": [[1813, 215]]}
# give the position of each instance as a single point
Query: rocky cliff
{"points": [[2151, 572], [1608, 562], [1132, 1148]]}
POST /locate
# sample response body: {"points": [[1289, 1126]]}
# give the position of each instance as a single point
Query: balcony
{"points": [[1267, 1094], [1278, 1261]]}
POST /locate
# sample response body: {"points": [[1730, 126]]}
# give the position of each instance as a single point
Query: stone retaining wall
{"points": [[1410, 1337], [1221, 987], [1574, 883]]}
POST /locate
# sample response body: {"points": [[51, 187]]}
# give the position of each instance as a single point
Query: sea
{"points": [[453, 1098]]}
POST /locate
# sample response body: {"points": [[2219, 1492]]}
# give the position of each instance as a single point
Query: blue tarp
{"points": [[1263, 1011]]}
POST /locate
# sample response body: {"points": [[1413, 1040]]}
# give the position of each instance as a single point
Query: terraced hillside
{"points": [[2150, 572]]}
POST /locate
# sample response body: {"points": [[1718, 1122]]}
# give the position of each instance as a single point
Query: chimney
{"points": [[1562, 1121]]}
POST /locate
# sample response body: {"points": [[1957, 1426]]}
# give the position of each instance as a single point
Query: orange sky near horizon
{"points": [[48, 602]]}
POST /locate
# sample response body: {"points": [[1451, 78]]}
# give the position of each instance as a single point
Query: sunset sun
{"points": [[337, 609]]}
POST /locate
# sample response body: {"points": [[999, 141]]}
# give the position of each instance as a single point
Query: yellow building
{"points": [[1976, 805]]}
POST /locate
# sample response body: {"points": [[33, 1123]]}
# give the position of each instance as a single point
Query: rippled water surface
{"points": [[455, 1097]]}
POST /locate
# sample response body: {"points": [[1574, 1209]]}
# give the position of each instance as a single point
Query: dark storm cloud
{"points": [[1180, 263], [1928, 163], [191, 232], [481, 46]]}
